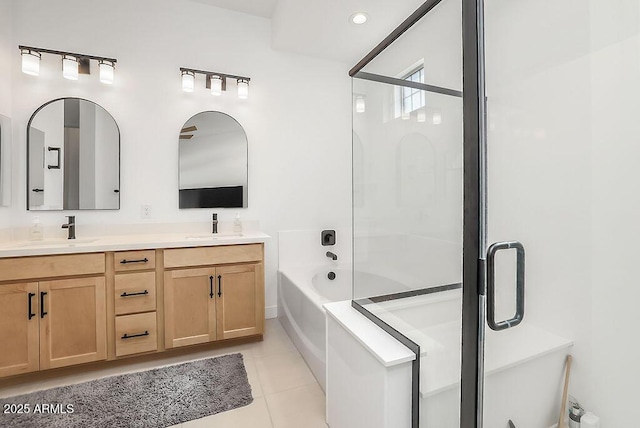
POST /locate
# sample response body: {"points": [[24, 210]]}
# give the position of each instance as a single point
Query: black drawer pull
{"points": [[37, 190], [140, 293], [42, 312], [31, 314], [125, 261], [126, 336]]}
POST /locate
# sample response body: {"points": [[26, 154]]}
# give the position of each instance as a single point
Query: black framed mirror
{"points": [[73, 157], [213, 168]]}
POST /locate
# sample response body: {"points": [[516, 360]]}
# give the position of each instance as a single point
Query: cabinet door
{"points": [[18, 329], [189, 305], [72, 322], [240, 300]]}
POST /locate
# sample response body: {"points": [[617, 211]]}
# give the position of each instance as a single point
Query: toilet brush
{"points": [[563, 405]]}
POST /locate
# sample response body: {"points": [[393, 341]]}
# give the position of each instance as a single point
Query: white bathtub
{"points": [[301, 293], [523, 365]]}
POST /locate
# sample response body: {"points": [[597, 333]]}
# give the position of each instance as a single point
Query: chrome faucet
{"points": [[71, 225], [332, 256], [214, 223]]}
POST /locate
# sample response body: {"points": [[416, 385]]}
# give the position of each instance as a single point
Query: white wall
{"points": [[297, 117], [615, 108], [7, 50]]}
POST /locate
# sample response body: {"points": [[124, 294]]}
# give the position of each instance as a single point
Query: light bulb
{"points": [[70, 67], [106, 71], [30, 62], [243, 89], [188, 80], [360, 104], [216, 85], [437, 118], [422, 116]]}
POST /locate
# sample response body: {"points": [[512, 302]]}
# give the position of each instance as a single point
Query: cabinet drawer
{"points": [[135, 292], [203, 256], [18, 268], [134, 260], [136, 333]]}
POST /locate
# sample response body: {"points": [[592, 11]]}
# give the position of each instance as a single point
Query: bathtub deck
{"points": [[440, 352], [388, 351]]}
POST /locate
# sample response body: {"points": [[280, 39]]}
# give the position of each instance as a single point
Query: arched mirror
{"points": [[73, 152], [213, 162]]}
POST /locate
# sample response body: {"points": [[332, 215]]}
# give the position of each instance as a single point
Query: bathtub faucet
{"points": [[331, 255]]}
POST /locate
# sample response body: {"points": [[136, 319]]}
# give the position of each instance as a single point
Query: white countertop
{"points": [[380, 344], [93, 244]]}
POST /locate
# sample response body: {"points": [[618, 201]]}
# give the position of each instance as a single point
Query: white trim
{"points": [[271, 312]]}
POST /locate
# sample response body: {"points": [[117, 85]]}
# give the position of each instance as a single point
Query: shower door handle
{"points": [[491, 285], [57, 150]]}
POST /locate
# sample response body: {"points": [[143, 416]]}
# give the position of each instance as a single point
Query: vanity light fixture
{"points": [[69, 67], [30, 62], [216, 82], [72, 63], [188, 80], [243, 89], [437, 118], [422, 116], [106, 71]]}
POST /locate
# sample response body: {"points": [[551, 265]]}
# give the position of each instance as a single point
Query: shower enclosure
{"points": [[494, 188]]}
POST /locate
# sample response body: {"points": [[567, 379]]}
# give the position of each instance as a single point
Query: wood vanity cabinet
{"points": [[135, 324], [240, 301], [189, 307], [213, 293], [72, 322], [62, 310], [47, 323], [19, 333]]}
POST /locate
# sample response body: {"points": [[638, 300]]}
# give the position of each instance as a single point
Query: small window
{"points": [[413, 99]]}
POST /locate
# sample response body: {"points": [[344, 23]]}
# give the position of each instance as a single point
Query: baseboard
{"points": [[271, 312]]}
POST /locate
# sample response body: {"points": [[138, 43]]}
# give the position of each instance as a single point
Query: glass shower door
{"points": [[538, 67], [408, 205]]}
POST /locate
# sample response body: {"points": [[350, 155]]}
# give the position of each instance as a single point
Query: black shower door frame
{"points": [[474, 200]]}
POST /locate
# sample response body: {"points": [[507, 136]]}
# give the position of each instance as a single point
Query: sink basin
{"points": [[55, 243], [213, 237]]}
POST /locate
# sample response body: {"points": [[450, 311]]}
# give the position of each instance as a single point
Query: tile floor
{"points": [[285, 393]]}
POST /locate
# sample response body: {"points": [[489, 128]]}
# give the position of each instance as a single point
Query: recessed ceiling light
{"points": [[359, 18]]}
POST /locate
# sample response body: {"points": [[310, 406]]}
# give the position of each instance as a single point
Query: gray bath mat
{"points": [[154, 398]]}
